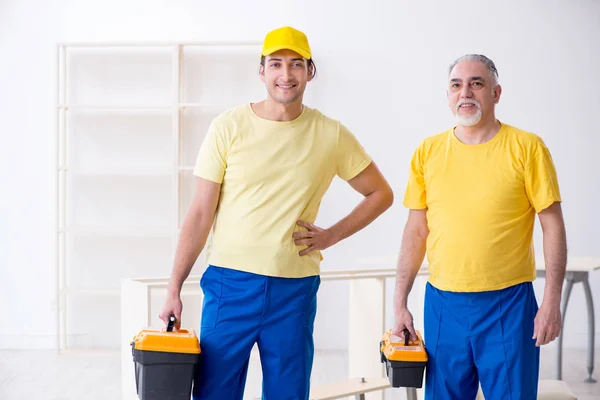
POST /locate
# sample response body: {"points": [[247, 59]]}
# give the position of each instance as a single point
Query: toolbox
{"points": [[405, 359], [165, 363]]}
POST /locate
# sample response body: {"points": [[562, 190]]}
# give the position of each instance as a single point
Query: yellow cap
{"points": [[286, 38]]}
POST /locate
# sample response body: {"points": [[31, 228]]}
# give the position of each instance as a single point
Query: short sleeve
{"points": [[351, 157], [415, 196], [541, 181], [212, 157]]}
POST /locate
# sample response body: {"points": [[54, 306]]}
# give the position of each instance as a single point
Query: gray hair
{"points": [[482, 59]]}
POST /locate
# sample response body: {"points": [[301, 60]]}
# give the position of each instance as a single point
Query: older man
{"points": [[473, 194]]}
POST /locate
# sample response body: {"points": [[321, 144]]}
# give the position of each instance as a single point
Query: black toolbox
{"points": [[405, 360], [165, 363]]}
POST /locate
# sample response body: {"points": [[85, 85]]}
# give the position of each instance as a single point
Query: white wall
{"points": [[381, 71]]}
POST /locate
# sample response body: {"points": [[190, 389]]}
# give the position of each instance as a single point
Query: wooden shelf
{"points": [[116, 107], [119, 232], [90, 292], [159, 44], [115, 172], [149, 80], [113, 107]]}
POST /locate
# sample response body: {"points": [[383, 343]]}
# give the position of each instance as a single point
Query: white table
{"points": [[578, 270]]}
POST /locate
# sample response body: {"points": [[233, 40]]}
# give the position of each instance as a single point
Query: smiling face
{"points": [[472, 93], [285, 74]]}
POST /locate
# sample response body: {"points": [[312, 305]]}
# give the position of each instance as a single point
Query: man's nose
{"points": [[466, 92], [286, 73]]}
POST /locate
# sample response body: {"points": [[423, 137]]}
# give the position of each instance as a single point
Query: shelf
{"points": [[90, 292], [117, 172], [160, 44], [114, 107], [143, 107], [121, 232], [210, 107], [126, 151]]}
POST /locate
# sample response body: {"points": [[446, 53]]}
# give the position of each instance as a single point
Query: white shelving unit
{"points": [[130, 120]]}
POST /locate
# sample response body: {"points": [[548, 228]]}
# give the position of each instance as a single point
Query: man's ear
{"points": [[311, 71], [497, 93], [261, 72]]}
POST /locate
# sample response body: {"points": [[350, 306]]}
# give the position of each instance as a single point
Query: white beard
{"points": [[469, 120]]}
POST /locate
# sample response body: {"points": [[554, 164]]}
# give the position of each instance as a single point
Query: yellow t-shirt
{"points": [[481, 203], [272, 174]]}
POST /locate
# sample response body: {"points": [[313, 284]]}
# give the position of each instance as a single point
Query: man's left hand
{"points": [[315, 238], [547, 323]]}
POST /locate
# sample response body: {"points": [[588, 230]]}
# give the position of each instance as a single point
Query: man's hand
{"points": [[404, 319], [315, 238], [378, 197], [547, 323], [174, 307]]}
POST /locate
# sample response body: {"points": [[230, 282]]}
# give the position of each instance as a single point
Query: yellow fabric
{"points": [[481, 203], [286, 38], [272, 174]]}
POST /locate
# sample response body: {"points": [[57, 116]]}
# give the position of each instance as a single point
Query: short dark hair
{"points": [[310, 62]]}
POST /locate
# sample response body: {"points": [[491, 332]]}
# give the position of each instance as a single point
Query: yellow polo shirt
{"points": [[272, 174], [481, 203]]}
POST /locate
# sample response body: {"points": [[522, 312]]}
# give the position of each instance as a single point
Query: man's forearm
{"points": [[371, 207], [555, 258], [411, 257], [192, 239]]}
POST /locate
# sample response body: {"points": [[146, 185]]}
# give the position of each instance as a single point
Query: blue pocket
{"points": [[212, 287]]}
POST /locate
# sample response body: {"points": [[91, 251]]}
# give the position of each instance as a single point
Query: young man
{"points": [[262, 171], [473, 194]]}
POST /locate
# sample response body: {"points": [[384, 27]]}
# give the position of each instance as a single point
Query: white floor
{"points": [[44, 375]]}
